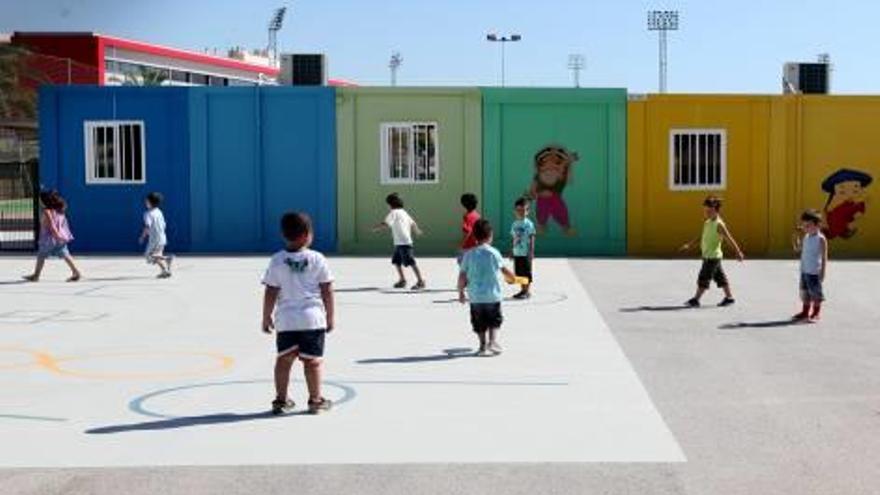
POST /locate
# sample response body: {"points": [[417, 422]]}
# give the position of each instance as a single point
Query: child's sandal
{"points": [[280, 407], [319, 406]]}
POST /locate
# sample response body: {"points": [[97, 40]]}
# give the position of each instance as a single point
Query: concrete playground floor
{"points": [[122, 383]]}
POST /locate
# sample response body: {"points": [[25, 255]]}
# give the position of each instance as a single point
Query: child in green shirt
{"points": [[711, 240]]}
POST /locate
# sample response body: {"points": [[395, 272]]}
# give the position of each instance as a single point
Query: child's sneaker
{"points": [[693, 303], [400, 284], [801, 316], [727, 301], [495, 348], [419, 285], [522, 295], [280, 407], [319, 406], [164, 275]]}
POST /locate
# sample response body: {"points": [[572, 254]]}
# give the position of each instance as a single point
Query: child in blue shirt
{"points": [[813, 248], [479, 275], [523, 234]]}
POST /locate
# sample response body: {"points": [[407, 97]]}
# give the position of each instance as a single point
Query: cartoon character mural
{"points": [[846, 201], [553, 167]]}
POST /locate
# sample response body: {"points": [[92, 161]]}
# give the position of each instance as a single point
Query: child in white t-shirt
{"points": [[154, 233], [298, 305], [402, 228]]}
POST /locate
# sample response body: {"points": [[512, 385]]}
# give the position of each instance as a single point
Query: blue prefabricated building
{"points": [[229, 161]]}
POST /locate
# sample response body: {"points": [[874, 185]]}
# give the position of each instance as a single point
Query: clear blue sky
{"points": [[723, 46]]}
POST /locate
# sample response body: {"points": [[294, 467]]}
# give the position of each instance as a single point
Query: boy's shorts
{"points": [[485, 316], [522, 267], [712, 270], [153, 251], [811, 288], [309, 344], [403, 256]]}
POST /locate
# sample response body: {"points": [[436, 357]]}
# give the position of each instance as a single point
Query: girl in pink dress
{"points": [[54, 236]]}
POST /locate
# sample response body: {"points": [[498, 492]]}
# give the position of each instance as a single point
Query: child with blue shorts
{"points": [[298, 305]]}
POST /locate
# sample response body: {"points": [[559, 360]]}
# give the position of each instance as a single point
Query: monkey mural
{"points": [[553, 166], [846, 202]]}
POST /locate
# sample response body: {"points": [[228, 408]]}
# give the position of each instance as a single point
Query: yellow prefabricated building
{"points": [[768, 157]]}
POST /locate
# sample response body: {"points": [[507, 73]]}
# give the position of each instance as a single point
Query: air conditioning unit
{"points": [[806, 77], [300, 69]]}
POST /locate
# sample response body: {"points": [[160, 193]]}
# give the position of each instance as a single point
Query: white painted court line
{"points": [[563, 391]]}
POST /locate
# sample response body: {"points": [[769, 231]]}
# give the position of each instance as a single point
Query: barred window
{"points": [[409, 153], [697, 159], [115, 152]]}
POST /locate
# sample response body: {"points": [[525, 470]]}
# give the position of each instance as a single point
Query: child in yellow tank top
{"points": [[711, 240]]}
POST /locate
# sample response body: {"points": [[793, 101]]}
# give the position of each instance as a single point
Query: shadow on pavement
{"points": [[356, 289], [419, 291], [762, 324], [187, 421], [677, 307], [447, 355]]}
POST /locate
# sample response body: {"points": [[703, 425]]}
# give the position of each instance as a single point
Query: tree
{"points": [[18, 83], [145, 76]]}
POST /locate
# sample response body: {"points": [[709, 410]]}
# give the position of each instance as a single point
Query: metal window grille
{"points": [[115, 152], [697, 159], [410, 153]]}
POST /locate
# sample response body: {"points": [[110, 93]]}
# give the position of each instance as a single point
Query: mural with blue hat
{"points": [[846, 202]]}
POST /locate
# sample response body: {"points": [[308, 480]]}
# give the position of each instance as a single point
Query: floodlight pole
{"points": [[275, 24], [576, 64], [662, 21], [503, 40], [394, 65]]}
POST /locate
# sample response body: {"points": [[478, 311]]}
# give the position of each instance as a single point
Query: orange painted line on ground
{"points": [[54, 365]]}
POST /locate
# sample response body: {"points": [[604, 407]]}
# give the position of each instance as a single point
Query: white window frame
{"points": [[722, 133], [89, 127], [385, 154]]}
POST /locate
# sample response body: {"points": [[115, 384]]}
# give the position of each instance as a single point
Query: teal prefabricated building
{"points": [[230, 160]]}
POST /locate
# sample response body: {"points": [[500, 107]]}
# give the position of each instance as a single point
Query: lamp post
{"points": [[275, 24], [662, 21], [394, 64], [503, 40], [576, 63]]}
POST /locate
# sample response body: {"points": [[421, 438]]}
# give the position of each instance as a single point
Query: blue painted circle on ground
{"points": [[137, 404]]}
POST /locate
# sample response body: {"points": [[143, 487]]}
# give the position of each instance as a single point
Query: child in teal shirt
{"points": [[523, 234], [479, 275]]}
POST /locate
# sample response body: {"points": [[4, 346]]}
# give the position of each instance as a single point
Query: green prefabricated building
{"points": [[566, 150], [423, 143]]}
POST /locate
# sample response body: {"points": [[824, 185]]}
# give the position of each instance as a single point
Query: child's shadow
{"points": [[762, 324], [187, 421], [638, 309], [447, 355]]}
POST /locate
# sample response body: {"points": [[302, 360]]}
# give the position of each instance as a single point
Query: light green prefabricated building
{"points": [[566, 150], [423, 143]]}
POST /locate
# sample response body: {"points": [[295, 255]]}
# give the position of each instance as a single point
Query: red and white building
{"points": [[91, 58]]}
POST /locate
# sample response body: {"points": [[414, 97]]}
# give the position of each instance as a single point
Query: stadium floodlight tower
{"points": [[662, 21], [503, 40], [394, 65], [576, 64], [275, 24]]}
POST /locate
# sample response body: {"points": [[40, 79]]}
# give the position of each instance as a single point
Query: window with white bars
{"points": [[410, 153], [115, 152], [697, 159]]}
